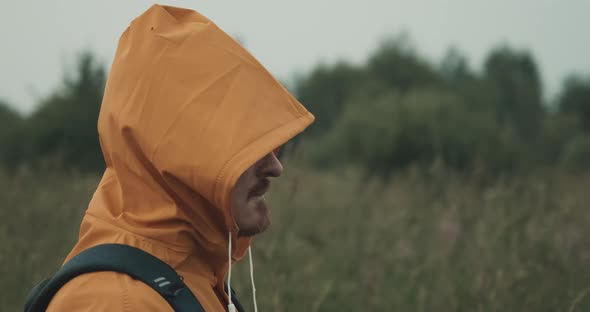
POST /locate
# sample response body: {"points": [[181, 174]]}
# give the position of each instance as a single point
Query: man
{"points": [[189, 126]]}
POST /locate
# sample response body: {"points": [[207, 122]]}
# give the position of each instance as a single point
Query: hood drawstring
{"points": [[231, 307]]}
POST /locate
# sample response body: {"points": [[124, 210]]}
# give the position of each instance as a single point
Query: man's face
{"points": [[249, 207]]}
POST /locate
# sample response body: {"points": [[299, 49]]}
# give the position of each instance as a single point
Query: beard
{"points": [[263, 220]]}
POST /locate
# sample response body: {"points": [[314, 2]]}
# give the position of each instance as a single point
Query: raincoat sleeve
{"points": [[107, 291]]}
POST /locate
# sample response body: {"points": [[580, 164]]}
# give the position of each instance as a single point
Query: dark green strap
{"points": [[125, 259], [235, 301]]}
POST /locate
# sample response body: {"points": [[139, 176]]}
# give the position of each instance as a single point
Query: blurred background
{"points": [[447, 169]]}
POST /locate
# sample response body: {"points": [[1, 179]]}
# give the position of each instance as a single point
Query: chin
{"points": [[258, 226], [262, 225], [248, 232]]}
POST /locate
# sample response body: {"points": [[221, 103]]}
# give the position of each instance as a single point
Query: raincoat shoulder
{"points": [[107, 291]]}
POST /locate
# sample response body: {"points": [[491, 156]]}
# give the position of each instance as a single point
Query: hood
{"points": [[186, 111]]}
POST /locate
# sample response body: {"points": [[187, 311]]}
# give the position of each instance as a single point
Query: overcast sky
{"points": [[40, 39]]}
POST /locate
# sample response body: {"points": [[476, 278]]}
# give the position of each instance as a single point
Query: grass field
{"points": [[428, 241]]}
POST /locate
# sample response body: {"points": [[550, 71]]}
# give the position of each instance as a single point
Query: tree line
{"points": [[397, 109]]}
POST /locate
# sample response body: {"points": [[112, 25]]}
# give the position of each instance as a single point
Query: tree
{"points": [[63, 129], [398, 67], [478, 93], [515, 76], [454, 66], [575, 99], [11, 140], [326, 90]]}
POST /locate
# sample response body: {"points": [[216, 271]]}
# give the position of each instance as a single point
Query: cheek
{"points": [[254, 210], [245, 210], [239, 194]]}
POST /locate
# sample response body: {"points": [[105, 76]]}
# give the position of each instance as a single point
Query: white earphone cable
{"points": [[252, 279], [230, 307]]}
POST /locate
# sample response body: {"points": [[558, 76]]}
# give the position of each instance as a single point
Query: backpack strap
{"points": [[235, 301], [125, 259]]}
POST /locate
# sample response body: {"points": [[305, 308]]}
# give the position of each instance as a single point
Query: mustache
{"points": [[260, 188]]}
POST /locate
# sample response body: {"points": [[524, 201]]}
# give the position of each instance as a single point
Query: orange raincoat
{"points": [[186, 110]]}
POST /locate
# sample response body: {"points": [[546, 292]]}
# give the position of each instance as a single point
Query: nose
{"points": [[270, 166]]}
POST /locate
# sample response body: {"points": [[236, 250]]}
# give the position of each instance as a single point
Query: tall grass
{"points": [[422, 241], [40, 216]]}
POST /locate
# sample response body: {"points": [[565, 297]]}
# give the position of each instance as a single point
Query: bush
{"points": [[394, 131], [11, 137], [576, 154], [575, 98], [557, 131]]}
